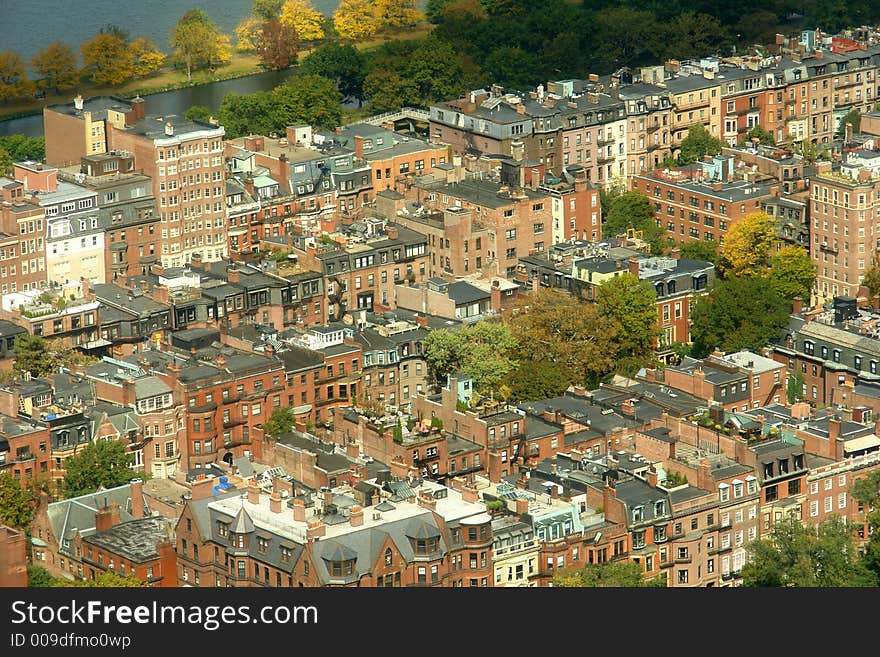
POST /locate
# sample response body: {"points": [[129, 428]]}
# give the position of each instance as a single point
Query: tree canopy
{"points": [[742, 312], [282, 420], [102, 580], [632, 209], [56, 66], [792, 273], [302, 16], [807, 556], [100, 463], [14, 82], [198, 43], [612, 574], [278, 45], [16, 503], [700, 250], [628, 304], [483, 351], [746, 249], [698, 144], [108, 59]]}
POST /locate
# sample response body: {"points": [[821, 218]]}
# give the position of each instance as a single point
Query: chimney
{"points": [[427, 501], [202, 488], [470, 494], [797, 305], [253, 492], [593, 77], [847, 132], [651, 476], [875, 302], [78, 102], [107, 517], [675, 252], [328, 498], [315, 529], [391, 232], [359, 147], [421, 321], [495, 297], [232, 274], [274, 502], [136, 491], [357, 516], [833, 430], [522, 507], [299, 510], [633, 263], [249, 186], [84, 284], [554, 492], [169, 129], [139, 106]]}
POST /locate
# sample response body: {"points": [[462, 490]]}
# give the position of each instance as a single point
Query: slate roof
{"points": [[135, 540]]}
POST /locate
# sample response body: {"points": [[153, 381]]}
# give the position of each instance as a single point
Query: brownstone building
{"points": [[13, 552]]}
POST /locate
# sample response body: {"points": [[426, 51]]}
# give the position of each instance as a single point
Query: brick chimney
{"points": [[391, 232], [136, 490], [421, 321], [202, 488], [522, 507], [633, 265], [470, 494], [359, 147], [253, 492], [315, 529], [833, 430], [299, 510], [797, 305], [427, 501], [357, 516], [651, 476], [275, 502], [107, 517], [232, 274]]}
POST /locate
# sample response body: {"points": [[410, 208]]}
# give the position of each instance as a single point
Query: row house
{"points": [[70, 313], [650, 122], [228, 394], [58, 528], [737, 381], [263, 540], [24, 450], [13, 557], [22, 239], [701, 202], [129, 319]]}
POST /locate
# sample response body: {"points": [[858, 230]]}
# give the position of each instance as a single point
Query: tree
{"points": [[760, 134], [387, 90], [866, 491], [101, 463], [535, 379], [700, 250], [342, 63], [792, 273], [483, 351], [6, 162], [609, 574], [107, 59], [102, 580], [146, 56], [56, 67], [198, 113], [698, 144], [794, 387], [747, 246], [690, 35], [16, 503], [302, 16], [14, 82], [871, 279], [398, 13], [198, 43], [308, 99], [436, 70], [557, 331], [812, 556], [278, 45], [32, 356], [248, 33], [242, 114], [634, 210], [22, 148], [629, 304], [266, 10], [741, 312], [356, 20], [282, 420], [852, 118], [511, 67], [39, 577]]}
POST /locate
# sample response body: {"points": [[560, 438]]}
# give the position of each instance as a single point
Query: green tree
{"points": [[792, 273], [436, 70], [197, 43], [16, 503], [267, 9], [866, 491], [282, 420], [107, 59], [342, 63], [807, 556], [56, 67], [39, 577], [309, 99], [763, 137], [741, 312], [630, 306], [198, 113], [746, 249], [22, 148], [278, 45], [558, 332], [852, 118], [387, 90], [6, 162], [632, 209], [871, 279], [611, 574], [101, 463], [698, 144], [102, 580], [700, 250], [483, 351], [794, 387], [31, 355], [512, 68], [247, 113], [14, 82], [690, 35]]}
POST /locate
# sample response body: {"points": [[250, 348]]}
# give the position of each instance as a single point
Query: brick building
{"points": [[13, 553]]}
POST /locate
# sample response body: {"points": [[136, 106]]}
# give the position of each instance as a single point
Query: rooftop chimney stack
{"points": [[78, 102], [169, 129]]}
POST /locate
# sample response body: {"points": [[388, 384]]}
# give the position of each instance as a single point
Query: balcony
{"points": [[604, 159], [830, 248], [604, 141], [679, 560], [654, 127], [653, 147]]}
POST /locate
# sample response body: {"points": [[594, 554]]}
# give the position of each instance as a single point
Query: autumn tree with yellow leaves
{"points": [[304, 18]]}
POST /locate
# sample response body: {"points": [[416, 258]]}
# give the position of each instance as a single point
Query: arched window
{"points": [[388, 556]]}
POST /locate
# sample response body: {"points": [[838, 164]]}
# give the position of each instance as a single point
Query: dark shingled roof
{"points": [[135, 540]]}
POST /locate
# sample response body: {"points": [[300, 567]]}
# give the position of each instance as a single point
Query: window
{"points": [[682, 576]]}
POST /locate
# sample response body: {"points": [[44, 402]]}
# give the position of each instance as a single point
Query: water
{"points": [[30, 25]]}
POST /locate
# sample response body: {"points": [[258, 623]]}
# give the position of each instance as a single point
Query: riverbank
{"points": [[171, 79]]}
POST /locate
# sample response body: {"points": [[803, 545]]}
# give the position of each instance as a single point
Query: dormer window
{"points": [[659, 507], [638, 514], [341, 568]]}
